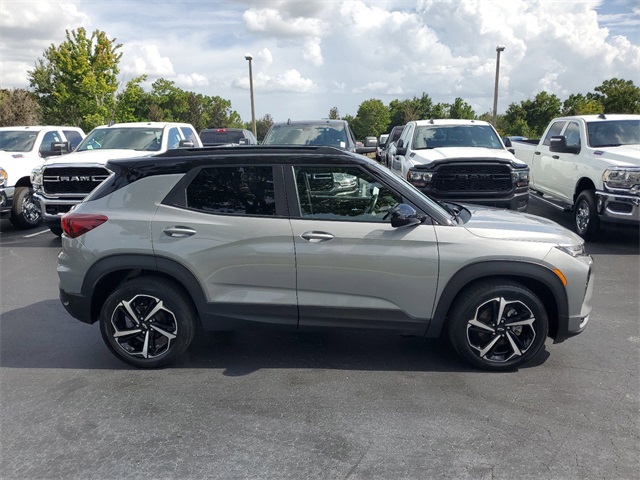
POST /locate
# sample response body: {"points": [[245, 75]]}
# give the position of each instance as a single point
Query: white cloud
{"points": [[192, 80], [139, 59], [271, 22], [312, 52]]}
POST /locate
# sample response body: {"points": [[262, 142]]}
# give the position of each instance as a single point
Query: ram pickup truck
{"points": [[62, 183], [21, 150], [461, 161], [588, 165]]}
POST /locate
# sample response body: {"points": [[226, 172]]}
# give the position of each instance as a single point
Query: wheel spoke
{"points": [[516, 350], [529, 322], [502, 305], [126, 333], [170, 336], [476, 323], [127, 308], [145, 347], [489, 346], [156, 308]]}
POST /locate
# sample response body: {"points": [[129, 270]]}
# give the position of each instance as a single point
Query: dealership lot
{"points": [[328, 405]]}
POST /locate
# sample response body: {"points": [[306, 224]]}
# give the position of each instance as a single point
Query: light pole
{"points": [[499, 48], [249, 57]]}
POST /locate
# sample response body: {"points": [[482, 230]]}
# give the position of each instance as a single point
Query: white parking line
{"points": [[34, 234]]}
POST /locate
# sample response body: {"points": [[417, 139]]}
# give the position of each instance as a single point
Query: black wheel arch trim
{"points": [[108, 266], [529, 274]]}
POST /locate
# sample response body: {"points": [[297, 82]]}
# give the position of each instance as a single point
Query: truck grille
{"points": [[72, 180], [473, 178]]}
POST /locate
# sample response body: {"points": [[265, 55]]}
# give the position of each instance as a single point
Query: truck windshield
{"points": [[17, 141], [334, 135], [148, 139], [439, 136], [613, 133]]}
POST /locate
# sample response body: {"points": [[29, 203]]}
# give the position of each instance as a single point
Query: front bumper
{"points": [[618, 207], [54, 208], [6, 200]]}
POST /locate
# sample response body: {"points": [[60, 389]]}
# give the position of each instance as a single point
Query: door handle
{"points": [[179, 232], [536, 153], [316, 237], [555, 157]]}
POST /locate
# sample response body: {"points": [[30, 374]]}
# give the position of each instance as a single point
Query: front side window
{"points": [[572, 134], [554, 130], [233, 190], [188, 134], [342, 193], [47, 140]]}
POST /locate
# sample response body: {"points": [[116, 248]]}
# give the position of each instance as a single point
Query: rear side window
{"points": [[188, 134], [233, 190], [73, 137]]}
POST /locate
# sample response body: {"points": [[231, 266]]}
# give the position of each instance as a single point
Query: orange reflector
{"points": [[560, 276]]}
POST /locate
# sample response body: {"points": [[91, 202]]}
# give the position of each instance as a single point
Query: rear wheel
{"points": [[585, 215], [147, 322], [25, 212], [498, 325], [57, 231]]}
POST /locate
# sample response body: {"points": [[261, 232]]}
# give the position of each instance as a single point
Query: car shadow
{"points": [[43, 335]]}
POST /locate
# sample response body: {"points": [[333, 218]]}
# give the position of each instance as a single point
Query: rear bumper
{"points": [[77, 306]]}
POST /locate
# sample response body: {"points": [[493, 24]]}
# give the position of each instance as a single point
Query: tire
{"points": [[57, 231], [585, 215], [498, 325], [164, 327], [25, 212]]}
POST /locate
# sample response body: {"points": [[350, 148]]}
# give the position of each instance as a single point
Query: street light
{"points": [[499, 48], [249, 57]]}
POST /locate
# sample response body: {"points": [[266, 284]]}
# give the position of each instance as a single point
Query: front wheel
{"points": [[25, 212], [498, 325], [147, 322], [585, 215]]}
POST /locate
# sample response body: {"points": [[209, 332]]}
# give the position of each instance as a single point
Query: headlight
{"points": [[36, 176], [3, 177], [520, 178], [573, 250], [418, 178], [626, 178]]}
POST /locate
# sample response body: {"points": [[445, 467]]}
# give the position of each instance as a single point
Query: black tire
{"points": [[164, 327], [25, 212], [57, 231], [498, 325], [585, 215]]}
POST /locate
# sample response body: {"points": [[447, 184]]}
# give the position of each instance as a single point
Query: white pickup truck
{"points": [[21, 150], [461, 161], [588, 165], [61, 183]]}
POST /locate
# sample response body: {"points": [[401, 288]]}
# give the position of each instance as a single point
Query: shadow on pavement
{"points": [[43, 335]]}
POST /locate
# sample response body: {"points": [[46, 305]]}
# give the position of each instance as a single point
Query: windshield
{"points": [[439, 136], [108, 138], [613, 133], [332, 135], [17, 141]]}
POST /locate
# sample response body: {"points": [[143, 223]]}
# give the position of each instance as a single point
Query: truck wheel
{"points": [[57, 231], [586, 216], [147, 322], [25, 212], [498, 325]]}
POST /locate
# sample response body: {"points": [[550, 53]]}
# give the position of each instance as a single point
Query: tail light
{"points": [[76, 224]]}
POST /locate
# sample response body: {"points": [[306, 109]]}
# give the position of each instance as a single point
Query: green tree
{"points": [[619, 96], [262, 126], [372, 119], [461, 109], [531, 117], [76, 81], [19, 107], [132, 103], [578, 104], [334, 114]]}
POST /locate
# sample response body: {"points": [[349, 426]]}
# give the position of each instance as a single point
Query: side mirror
{"points": [[60, 148], [243, 141], [558, 144], [371, 142], [404, 215], [186, 144]]}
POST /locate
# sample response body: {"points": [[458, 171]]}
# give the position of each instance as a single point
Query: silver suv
{"points": [[309, 237]]}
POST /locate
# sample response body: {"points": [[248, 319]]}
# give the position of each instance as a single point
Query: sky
{"points": [[310, 56]]}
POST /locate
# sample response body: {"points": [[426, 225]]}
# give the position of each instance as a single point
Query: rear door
{"points": [[228, 225], [353, 268]]}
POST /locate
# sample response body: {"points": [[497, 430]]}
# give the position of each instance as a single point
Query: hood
{"points": [[502, 224], [623, 156], [96, 156], [437, 154]]}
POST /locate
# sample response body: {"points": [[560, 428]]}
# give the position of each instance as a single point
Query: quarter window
{"points": [[342, 193], [233, 190]]}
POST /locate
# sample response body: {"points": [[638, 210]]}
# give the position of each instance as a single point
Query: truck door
{"points": [[543, 173], [565, 165], [399, 162]]}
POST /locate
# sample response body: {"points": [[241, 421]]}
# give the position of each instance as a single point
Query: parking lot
{"points": [[321, 405]]}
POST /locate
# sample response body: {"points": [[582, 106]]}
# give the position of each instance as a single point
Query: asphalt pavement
{"points": [[268, 405]]}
